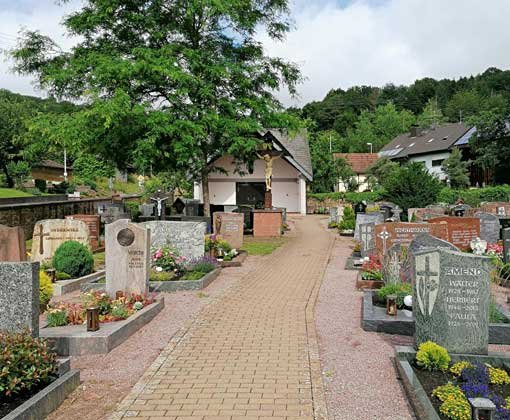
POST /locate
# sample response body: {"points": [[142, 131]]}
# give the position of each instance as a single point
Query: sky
{"points": [[338, 43]]}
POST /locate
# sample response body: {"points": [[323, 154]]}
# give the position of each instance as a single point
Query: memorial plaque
{"points": [[12, 244], [365, 218], [93, 222], [230, 226], [50, 234], [188, 238], [333, 215], [367, 235], [489, 227], [127, 258], [451, 300], [389, 234], [461, 230]]}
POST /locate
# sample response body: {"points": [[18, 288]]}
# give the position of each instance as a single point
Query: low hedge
{"points": [[351, 197], [475, 196]]}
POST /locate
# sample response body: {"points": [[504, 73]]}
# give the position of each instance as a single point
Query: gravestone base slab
{"points": [[237, 261], [267, 223], [375, 319], [75, 340], [63, 287]]}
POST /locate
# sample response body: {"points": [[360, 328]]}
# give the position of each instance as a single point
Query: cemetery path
{"points": [[252, 354], [359, 377]]}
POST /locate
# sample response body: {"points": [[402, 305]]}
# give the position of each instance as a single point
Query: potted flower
{"points": [[370, 276]]}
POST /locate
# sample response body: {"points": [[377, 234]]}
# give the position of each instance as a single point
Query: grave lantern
{"points": [[482, 408], [119, 294], [391, 305], [92, 319], [52, 273]]}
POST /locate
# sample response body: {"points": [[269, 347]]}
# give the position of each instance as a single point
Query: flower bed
{"points": [[370, 275], [439, 384], [110, 310]]}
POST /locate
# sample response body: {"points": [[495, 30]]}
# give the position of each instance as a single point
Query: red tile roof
{"points": [[359, 162]]}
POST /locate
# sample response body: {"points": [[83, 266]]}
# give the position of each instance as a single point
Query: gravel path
{"points": [[357, 370], [106, 379]]}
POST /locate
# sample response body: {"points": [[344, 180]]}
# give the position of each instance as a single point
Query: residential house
{"points": [[430, 147], [359, 162]]}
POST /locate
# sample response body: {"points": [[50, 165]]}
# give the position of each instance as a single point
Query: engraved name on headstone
{"points": [[451, 300]]}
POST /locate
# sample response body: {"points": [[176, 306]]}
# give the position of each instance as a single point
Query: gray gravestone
{"points": [[489, 227], [127, 257], [188, 238], [451, 300], [147, 210], [333, 215], [19, 296], [397, 214], [391, 264], [425, 241], [363, 219], [367, 237], [506, 244]]}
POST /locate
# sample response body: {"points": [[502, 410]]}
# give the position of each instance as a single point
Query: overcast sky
{"points": [[341, 43]]}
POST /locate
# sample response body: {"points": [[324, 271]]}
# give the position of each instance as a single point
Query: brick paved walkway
{"points": [[252, 354]]}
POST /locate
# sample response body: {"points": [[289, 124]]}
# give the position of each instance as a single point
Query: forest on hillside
{"points": [[346, 120]]}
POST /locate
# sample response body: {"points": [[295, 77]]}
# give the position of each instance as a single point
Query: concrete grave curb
{"points": [[63, 287], [237, 261]]}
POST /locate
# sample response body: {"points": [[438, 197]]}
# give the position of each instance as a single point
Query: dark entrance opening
{"points": [[250, 194]]}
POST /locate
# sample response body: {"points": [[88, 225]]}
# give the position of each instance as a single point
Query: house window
{"points": [[437, 162]]}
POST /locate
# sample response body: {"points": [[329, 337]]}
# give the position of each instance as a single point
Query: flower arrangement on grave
{"points": [[110, 310], [372, 268], [217, 247], [167, 259], [501, 272], [461, 380], [198, 267], [400, 290]]}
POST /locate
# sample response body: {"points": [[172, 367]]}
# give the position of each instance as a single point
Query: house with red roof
{"points": [[359, 162]]}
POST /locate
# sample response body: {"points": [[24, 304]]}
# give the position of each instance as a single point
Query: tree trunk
{"points": [[8, 177], [205, 194]]}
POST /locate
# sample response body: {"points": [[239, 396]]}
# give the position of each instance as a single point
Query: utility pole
{"points": [[460, 116], [65, 165], [330, 145]]}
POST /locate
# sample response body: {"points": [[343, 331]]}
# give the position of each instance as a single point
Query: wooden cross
{"points": [[41, 240]]}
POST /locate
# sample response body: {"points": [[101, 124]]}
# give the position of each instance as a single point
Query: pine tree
{"points": [[456, 170]]}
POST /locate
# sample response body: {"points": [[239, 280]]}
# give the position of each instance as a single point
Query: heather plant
{"points": [[26, 363], [204, 264], [432, 357]]}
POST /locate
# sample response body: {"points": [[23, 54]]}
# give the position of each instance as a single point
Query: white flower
{"points": [[138, 306], [103, 294], [159, 269]]}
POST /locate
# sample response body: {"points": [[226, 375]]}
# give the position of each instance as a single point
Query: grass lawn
{"points": [[99, 260], [12, 193], [258, 246]]}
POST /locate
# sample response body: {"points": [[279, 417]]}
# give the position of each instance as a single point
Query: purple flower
{"points": [[475, 390]]}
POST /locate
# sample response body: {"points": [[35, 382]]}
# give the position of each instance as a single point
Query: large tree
{"points": [[185, 81]]}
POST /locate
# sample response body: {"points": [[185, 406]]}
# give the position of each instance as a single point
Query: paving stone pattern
{"points": [[253, 353]]}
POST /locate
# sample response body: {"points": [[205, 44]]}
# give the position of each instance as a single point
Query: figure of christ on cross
{"points": [[268, 171], [427, 284], [41, 239]]}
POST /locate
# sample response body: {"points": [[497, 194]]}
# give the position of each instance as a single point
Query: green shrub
{"points": [[45, 290], [350, 197], [132, 207], [432, 357], [120, 312], [401, 290], [26, 363], [161, 275], [56, 317], [40, 184], [349, 220], [74, 259], [475, 196], [63, 276]]}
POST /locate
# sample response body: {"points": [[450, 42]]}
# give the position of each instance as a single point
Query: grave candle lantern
{"points": [[482, 408], [92, 319], [119, 294], [52, 273], [391, 305]]}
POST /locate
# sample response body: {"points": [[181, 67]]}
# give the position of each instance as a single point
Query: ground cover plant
{"points": [[110, 310], [449, 385], [168, 265], [26, 366]]}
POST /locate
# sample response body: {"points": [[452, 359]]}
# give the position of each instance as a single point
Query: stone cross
{"points": [[427, 285], [367, 238], [384, 235], [42, 236]]}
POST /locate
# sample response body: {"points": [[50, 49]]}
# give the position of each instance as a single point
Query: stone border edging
{"points": [[48, 399], [175, 286], [62, 287], [79, 342], [237, 261], [374, 319]]}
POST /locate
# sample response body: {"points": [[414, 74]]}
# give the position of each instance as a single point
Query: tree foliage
{"points": [[456, 170], [173, 84], [411, 186]]}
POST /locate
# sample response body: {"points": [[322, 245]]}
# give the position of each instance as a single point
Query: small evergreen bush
{"points": [[401, 290], [26, 363], [432, 357], [40, 184], [74, 259]]}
